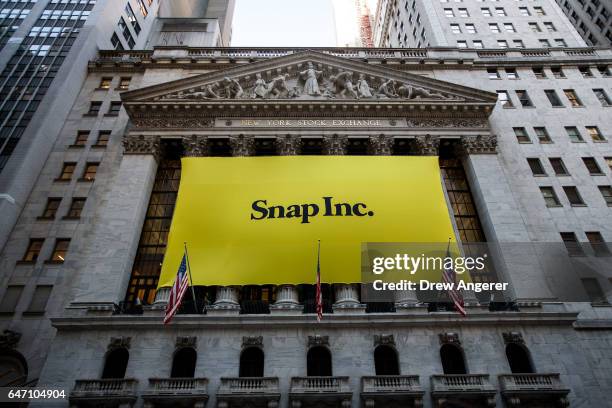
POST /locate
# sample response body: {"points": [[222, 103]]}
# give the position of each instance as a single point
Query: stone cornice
{"points": [[141, 145]]}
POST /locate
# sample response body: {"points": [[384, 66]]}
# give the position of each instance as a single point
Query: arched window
{"points": [[116, 363], [385, 361], [318, 362], [251, 362], [519, 359], [184, 362], [452, 359], [13, 369]]}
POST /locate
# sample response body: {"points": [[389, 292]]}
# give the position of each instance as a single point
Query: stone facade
{"points": [[568, 342]]}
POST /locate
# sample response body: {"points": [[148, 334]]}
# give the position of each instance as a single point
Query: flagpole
{"points": [[195, 302]]}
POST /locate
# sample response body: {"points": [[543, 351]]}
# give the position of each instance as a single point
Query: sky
{"points": [[295, 23]]}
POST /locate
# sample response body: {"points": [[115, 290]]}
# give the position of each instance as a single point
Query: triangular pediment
{"points": [[308, 77]]}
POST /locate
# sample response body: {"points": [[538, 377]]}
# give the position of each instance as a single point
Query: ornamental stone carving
{"points": [[381, 145], [318, 341], [153, 122], [196, 146], [186, 341], [252, 341], [9, 339], [384, 340], [335, 145], [139, 144], [513, 337], [242, 145], [479, 144], [119, 342], [288, 145], [427, 145], [449, 338], [447, 123]]}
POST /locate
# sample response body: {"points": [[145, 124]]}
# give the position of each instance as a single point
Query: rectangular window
{"points": [[539, 73], [113, 109], [470, 28], [608, 161], [544, 43], [595, 134], [574, 134], [536, 167], [550, 197], [542, 135], [116, 42], [124, 83], [586, 72], [518, 43], [593, 290], [59, 251], [524, 11], [534, 27], [573, 196], [509, 27], [494, 28], [94, 108], [463, 12], [462, 44], [553, 98], [521, 135], [105, 83], [493, 73], [523, 97], [500, 12], [11, 298], [604, 70], [575, 102], [504, 99], [455, 28], [103, 137], [597, 243], [67, 172], [132, 17], [602, 97], [511, 73], [39, 299], [448, 12], [143, 8], [76, 207], [539, 11], [591, 164], [558, 166], [486, 12], [89, 174], [550, 27], [560, 42], [477, 44], [51, 208], [571, 244], [81, 138], [502, 43], [33, 250], [606, 192], [558, 72]]}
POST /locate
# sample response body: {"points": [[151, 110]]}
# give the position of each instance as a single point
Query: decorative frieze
{"points": [[318, 341], [196, 146], [335, 145], [449, 338], [478, 123], [119, 342], [427, 145], [186, 341], [288, 145], [381, 145], [252, 341], [384, 340], [152, 121], [479, 144], [242, 145], [139, 144]]}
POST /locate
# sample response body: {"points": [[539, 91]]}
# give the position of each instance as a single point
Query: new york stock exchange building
{"points": [[249, 140]]}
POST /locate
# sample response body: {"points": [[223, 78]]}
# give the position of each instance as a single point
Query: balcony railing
{"points": [[306, 385], [95, 391], [177, 385], [530, 382], [391, 384], [461, 383], [249, 385]]}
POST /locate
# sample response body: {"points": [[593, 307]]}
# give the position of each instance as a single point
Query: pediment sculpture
{"points": [[311, 82]]}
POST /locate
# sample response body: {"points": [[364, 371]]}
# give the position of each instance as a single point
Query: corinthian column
{"points": [[242, 145], [196, 146], [288, 145], [347, 298], [381, 145], [226, 301], [108, 255], [335, 145], [427, 145]]}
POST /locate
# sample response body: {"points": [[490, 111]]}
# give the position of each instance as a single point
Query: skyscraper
{"points": [[592, 19]]}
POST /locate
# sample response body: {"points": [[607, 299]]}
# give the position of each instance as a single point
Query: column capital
{"points": [[478, 144], [335, 145], [427, 145], [381, 145], [196, 146], [139, 144], [288, 145], [242, 145]]}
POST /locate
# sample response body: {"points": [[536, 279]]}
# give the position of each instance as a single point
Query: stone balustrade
{"points": [[460, 382], [249, 385], [178, 385], [314, 384], [511, 382], [96, 392], [391, 384]]}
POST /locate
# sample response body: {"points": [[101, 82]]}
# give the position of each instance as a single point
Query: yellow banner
{"points": [[256, 220]]}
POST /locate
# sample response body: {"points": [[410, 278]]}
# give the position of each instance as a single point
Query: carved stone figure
{"points": [[232, 88], [344, 84], [278, 86], [415, 92], [210, 90], [387, 89], [311, 75], [261, 88], [363, 89]]}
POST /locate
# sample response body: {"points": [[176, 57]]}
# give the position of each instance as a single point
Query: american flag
{"points": [[178, 291], [318, 294], [449, 277]]}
